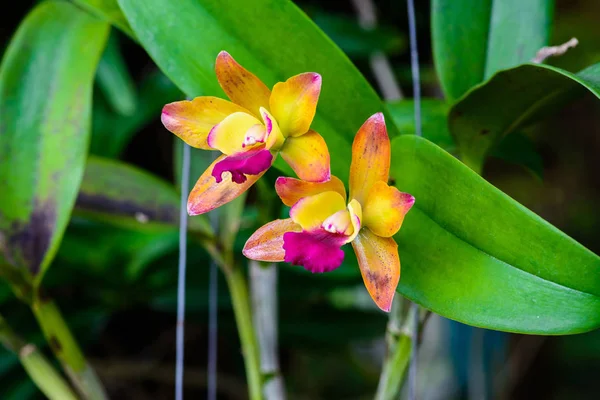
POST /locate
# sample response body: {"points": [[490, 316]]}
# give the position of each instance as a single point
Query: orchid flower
{"points": [[250, 130], [321, 222]]}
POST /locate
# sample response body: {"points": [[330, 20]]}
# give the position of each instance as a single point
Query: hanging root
{"points": [[554, 51]]}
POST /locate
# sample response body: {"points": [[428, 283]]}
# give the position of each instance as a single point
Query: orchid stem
{"points": [[40, 370], [58, 336], [243, 317], [263, 287], [399, 340], [66, 349]]}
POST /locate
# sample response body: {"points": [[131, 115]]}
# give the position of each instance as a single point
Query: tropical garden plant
{"points": [[301, 121]]}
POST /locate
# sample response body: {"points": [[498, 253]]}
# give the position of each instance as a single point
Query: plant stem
{"points": [[263, 288], [243, 317], [399, 339], [66, 349], [40, 370]]}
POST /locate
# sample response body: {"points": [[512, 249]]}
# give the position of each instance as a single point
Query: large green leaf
{"points": [[356, 41], [114, 79], [109, 11], [511, 99], [110, 255], [112, 132], [471, 253], [516, 149], [46, 82], [122, 194], [519, 149], [434, 120], [474, 39], [273, 39]]}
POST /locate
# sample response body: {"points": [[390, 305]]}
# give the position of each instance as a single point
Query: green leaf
{"points": [[519, 149], [472, 40], [516, 149], [109, 11], [518, 30], [471, 253], [356, 41], [122, 194], [46, 82], [271, 38], [434, 120], [511, 99], [114, 79], [115, 258], [113, 132]]}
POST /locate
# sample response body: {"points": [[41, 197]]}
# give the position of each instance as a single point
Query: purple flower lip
{"points": [[242, 164], [317, 251]]}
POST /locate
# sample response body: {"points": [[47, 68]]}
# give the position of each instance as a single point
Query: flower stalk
{"points": [[243, 317], [263, 286], [65, 348], [40, 370], [399, 340], [222, 254]]}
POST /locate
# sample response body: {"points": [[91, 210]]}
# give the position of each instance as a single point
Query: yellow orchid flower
{"points": [[250, 130], [320, 221]]}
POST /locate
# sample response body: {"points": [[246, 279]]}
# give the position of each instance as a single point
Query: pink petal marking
{"points": [[317, 251], [268, 123], [251, 162]]}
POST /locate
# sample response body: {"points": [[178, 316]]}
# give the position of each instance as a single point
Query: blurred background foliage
{"points": [[117, 283]]}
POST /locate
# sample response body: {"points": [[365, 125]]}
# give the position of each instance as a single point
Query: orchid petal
{"points": [[207, 194], [240, 85], [252, 162], [308, 157], [266, 244], [310, 212], [379, 266], [385, 208], [229, 136], [317, 251], [192, 120], [370, 157], [290, 190], [294, 102], [273, 134]]}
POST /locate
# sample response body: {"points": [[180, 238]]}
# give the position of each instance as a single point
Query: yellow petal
{"points": [[290, 190], [207, 194], [294, 102], [266, 244], [229, 136], [370, 157], [385, 208], [308, 156], [240, 85], [310, 212], [192, 120], [379, 266]]}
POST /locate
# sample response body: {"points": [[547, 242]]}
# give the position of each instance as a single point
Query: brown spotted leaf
{"points": [[46, 81]]}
